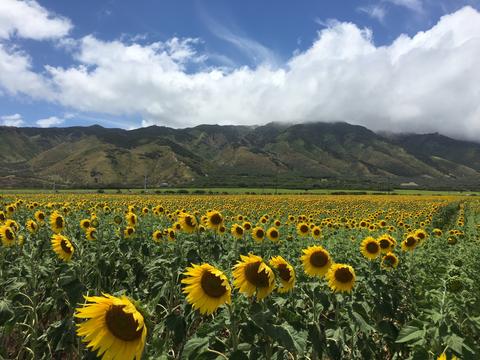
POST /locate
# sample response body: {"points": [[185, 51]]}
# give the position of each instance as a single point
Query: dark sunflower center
{"points": [[2, 217], [93, 234], [158, 236], [247, 226], [372, 247], [258, 279], [122, 325], [216, 219], [410, 241], [130, 231], [189, 221], [86, 224], [304, 228], [389, 260], [384, 243], [316, 232], [421, 235], [9, 235], [343, 275], [319, 259], [65, 247], [259, 233], [274, 234], [284, 272], [239, 230], [59, 222], [212, 285]]}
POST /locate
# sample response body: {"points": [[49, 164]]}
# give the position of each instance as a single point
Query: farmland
{"points": [[239, 276]]}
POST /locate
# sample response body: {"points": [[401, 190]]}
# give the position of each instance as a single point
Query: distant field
{"points": [[161, 191]]}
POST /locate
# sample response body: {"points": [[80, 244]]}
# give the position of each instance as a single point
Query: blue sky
{"points": [[203, 60]]}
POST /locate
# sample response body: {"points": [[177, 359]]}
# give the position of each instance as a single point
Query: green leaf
{"points": [[410, 333], [6, 312], [194, 347], [238, 355], [364, 326]]}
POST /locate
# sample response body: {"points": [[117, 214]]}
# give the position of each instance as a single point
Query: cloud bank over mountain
{"points": [[425, 83]]}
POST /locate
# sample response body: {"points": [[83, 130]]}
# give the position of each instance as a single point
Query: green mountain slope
{"points": [[302, 155]]}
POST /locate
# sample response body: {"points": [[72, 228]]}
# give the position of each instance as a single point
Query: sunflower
{"points": [[316, 261], [171, 234], [273, 234], [409, 243], [57, 222], [386, 243], [286, 273], [85, 224], [132, 219], [389, 261], [303, 229], [237, 231], [214, 219], [62, 247], [91, 233], [443, 356], [258, 234], [31, 226], [370, 248], [39, 216], [157, 236], [188, 222], [316, 232], [128, 231], [247, 225], [420, 235], [115, 328], [252, 275], [341, 277], [207, 288], [12, 224], [7, 235], [3, 217]]}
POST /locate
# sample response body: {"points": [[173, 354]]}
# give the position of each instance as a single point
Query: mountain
{"points": [[337, 155]]}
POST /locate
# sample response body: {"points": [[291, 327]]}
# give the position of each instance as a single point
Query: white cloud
{"points": [[414, 5], [376, 11], [11, 120], [28, 19], [428, 82], [49, 122], [17, 76]]}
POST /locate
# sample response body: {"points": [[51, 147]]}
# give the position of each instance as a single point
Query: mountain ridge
{"points": [[338, 155]]}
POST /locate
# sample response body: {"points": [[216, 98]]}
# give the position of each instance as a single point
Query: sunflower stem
{"points": [[233, 328]]}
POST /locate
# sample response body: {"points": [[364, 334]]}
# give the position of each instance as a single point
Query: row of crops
{"points": [[239, 277]]}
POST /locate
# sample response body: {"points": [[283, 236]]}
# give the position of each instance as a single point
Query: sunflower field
{"points": [[86, 276]]}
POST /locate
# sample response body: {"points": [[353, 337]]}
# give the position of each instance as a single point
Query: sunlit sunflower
{"points": [[443, 356], [3, 217], [171, 234], [157, 236], [57, 222], [7, 235], [39, 216], [386, 243], [62, 247], [207, 288], [31, 226], [132, 219], [91, 233], [370, 248], [303, 229], [247, 225], [390, 261], [115, 329], [273, 234], [316, 232], [128, 231], [316, 261], [252, 275], [237, 231], [420, 235], [286, 273], [409, 243], [341, 277], [258, 234], [85, 224], [188, 222], [214, 219], [12, 224]]}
